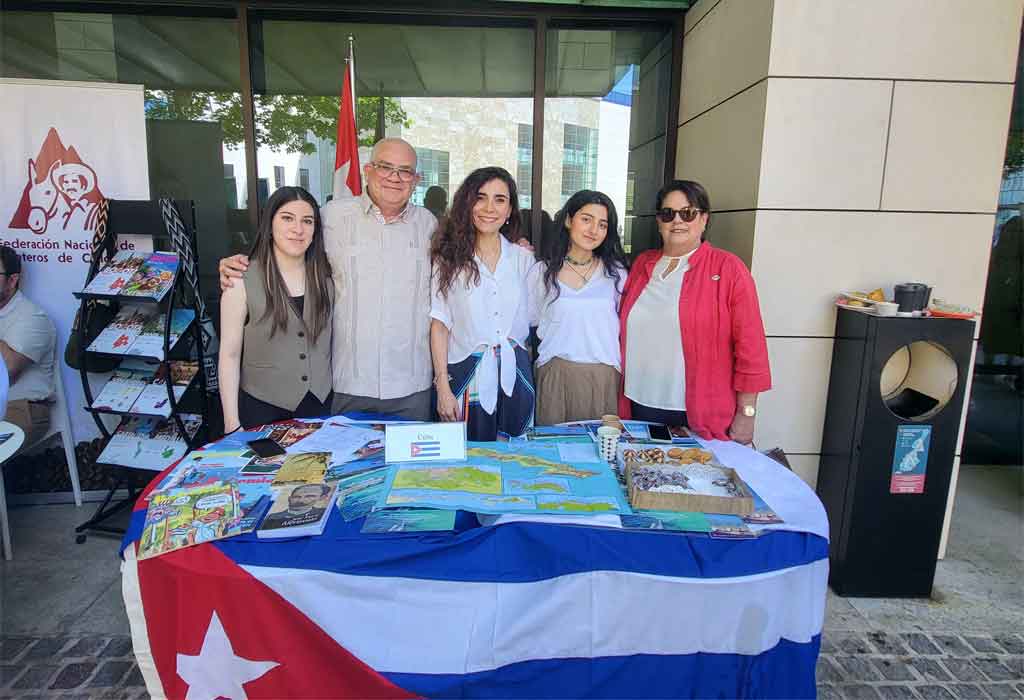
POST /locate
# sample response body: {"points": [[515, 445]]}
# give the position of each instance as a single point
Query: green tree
{"points": [[283, 122]]}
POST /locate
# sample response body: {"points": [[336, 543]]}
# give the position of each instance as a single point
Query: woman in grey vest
{"points": [[275, 345]]}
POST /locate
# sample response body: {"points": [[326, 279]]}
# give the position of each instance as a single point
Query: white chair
{"points": [[7, 448], [60, 422]]}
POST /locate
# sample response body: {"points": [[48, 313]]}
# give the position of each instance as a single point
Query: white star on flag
{"points": [[216, 672]]}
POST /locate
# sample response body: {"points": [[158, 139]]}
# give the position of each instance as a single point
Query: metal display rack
{"points": [[142, 217]]}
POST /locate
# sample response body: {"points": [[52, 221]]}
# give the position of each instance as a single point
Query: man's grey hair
{"points": [[393, 141]]}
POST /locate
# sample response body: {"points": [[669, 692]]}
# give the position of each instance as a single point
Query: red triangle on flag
{"points": [[194, 594]]}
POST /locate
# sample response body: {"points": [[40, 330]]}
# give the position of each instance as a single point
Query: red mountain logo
{"points": [[61, 193]]}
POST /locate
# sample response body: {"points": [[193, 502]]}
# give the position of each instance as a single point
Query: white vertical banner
{"points": [[65, 146]]}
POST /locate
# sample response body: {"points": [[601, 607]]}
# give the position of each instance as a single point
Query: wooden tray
{"points": [[688, 502]]}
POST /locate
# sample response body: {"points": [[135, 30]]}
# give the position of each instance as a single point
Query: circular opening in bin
{"points": [[918, 380]]}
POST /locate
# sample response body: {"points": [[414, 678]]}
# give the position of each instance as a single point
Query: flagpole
{"points": [[352, 73]]}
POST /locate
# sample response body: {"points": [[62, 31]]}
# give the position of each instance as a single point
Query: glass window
{"points": [[278, 176], [524, 165], [605, 119], [304, 178], [433, 168], [579, 159], [456, 94], [189, 67]]}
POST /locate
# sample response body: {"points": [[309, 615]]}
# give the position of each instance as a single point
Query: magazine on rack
{"points": [[149, 443], [119, 335], [112, 278], [154, 278], [150, 341], [153, 401], [125, 385]]}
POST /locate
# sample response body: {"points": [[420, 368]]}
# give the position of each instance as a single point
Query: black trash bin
{"points": [[895, 395]]}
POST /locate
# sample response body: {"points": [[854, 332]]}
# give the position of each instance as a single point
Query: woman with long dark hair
{"points": [[575, 289], [275, 343], [479, 310]]}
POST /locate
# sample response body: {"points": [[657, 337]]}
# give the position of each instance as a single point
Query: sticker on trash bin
{"points": [[910, 458]]}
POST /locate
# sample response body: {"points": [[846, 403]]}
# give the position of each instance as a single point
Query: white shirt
{"points": [[382, 298], [489, 314], [29, 331], [581, 325], [654, 347]]}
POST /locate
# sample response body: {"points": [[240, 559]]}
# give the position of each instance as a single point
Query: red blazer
{"points": [[724, 345]]}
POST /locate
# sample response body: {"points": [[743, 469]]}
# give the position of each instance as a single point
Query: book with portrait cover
{"points": [[298, 511]]}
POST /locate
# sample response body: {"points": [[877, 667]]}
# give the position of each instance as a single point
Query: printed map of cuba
{"points": [[530, 478]]}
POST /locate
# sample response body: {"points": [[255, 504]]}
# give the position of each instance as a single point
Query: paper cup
{"points": [[608, 442], [886, 308]]}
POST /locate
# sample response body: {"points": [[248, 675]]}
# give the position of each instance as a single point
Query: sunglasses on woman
{"points": [[687, 214]]}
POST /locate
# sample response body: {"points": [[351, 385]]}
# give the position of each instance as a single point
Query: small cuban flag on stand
{"points": [[425, 448]]}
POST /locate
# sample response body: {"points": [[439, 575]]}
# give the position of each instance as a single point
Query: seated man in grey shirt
{"points": [[378, 245]]}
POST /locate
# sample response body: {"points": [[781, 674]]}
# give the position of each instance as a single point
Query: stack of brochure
{"points": [[133, 274]]}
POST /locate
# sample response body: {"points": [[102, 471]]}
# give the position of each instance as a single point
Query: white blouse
{"points": [[581, 325], [656, 375], [489, 314]]}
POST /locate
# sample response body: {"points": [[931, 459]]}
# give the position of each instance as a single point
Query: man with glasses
{"points": [[379, 248], [27, 342]]}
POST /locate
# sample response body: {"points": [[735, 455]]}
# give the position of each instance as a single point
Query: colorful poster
{"points": [[66, 146], [910, 458]]}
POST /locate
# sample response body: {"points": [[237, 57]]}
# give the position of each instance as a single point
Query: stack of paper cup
{"points": [[608, 442]]}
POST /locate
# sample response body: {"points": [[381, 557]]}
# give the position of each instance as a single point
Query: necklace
{"points": [[581, 263], [589, 270]]}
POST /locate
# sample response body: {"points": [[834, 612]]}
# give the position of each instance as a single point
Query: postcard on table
{"points": [[425, 442]]}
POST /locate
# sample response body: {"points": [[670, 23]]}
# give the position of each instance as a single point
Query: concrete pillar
{"points": [[845, 145]]}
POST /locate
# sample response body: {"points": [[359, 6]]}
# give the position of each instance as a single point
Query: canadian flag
{"points": [[347, 180]]}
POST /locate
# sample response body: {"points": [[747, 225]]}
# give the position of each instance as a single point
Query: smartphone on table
{"points": [[265, 447], [659, 433]]}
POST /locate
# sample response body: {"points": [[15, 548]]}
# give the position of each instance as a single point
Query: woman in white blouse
{"points": [[575, 291], [479, 310]]}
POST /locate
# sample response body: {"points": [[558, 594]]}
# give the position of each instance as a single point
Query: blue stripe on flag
{"points": [[520, 552], [785, 671]]}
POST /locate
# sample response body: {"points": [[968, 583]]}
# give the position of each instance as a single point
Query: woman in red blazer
{"points": [[693, 344]]}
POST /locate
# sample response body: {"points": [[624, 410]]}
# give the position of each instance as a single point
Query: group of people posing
{"points": [[365, 303]]}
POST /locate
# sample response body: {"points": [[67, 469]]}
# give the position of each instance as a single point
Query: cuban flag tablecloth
{"points": [[515, 609]]}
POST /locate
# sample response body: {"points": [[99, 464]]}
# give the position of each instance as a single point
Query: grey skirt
{"points": [[568, 391]]}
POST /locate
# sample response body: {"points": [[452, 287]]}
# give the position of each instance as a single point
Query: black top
{"points": [[299, 302]]}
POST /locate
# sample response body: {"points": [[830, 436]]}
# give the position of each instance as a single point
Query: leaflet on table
{"points": [[666, 520], [504, 478], [185, 517], [305, 468], [635, 430], [154, 277], [125, 385], [148, 443], [113, 277], [409, 520], [150, 341], [153, 398], [343, 442], [298, 510], [122, 332], [359, 493], [729, 527]]}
